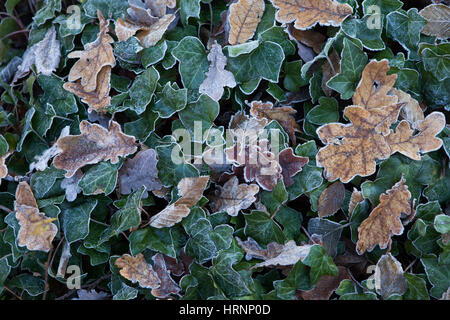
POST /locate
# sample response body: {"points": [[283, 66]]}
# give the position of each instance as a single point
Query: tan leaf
{"points": [[95, 56], [326, 285], [217, 77], [99, 98], [151, 36], [3, 167], [306, 13], [438, 20], [310, 38], [243, 19], [136, 269], [284, 115], [352, 149], [384, 220], [375, 85], [191, 190], [25, 196], [233, 197], [93, 145], [410, 145], [330, 200], [36, 230], [389, 278], [242, 127], [125, 29], [355, 198], [411, 110]]}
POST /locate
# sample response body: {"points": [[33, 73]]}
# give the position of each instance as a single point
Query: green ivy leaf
{"points": [[101, 178]]}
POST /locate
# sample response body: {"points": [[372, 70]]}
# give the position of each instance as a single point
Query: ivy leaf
{"points": [[321, 264], [142, 89], [264, 230], [75, 220], [101, 178], [170, 100]]}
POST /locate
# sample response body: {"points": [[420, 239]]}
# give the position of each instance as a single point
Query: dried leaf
{"points": [[291, 164], [389, 278], [98, 99], [191, 190], [25, 196], [45, 55], [233, 197], [136, 269], [355, 198], [410, 145], [217, 77], [284, 115], [125, 29], [93, 145], [411, 110], [375, 85], [36, 230], [254, 251], [95, 56], [140, 171], [329, 71], [352, 149], [325, 287], [3, 167], [330, 200], [438, 20], [306, 13], [151, 36], [168, 286], [243, 19], [310, 38], [384, 220]]}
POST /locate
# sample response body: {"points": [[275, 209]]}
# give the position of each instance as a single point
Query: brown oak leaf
{"points": [[352, 149], [167, 286], [385, 219], [404, 141], [191, 190], [150, 37], [375, 85], [25, 196], [411, 110], [93, 58], [136, 269], [306, 13], [310, 38], [93, 145], [97, 99], [355, 198], [330, 200], [233, 197], [243, 19], [291, 164], [284, 115], [438, 20], [217, 77]]}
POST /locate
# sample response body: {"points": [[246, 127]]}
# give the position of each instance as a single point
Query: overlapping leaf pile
{"points": [[206, 149]]}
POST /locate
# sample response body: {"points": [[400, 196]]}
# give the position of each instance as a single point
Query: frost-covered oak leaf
{"points": [[217, 77], [233, 197], [136, 269], [411, 110], [191, 190], [243, 19], [385, 219], [168, 286], [93, 58], [291, 164], [330, 200], [93, 145], [25, 196], [307, 13]]}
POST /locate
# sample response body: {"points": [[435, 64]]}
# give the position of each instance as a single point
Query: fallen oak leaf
{"points": [[374, 88], [438, 20], [307, 13], [330, 200], [93, 145], [254, 251], [168, 286], [25, 196], [151, 36], [310, 38], [3, 167], [136, 269], [243, 19], [411, 110], [404, 141], [191, 190], [385, 219], [217, 77], [284, 115], [355, 198], [93, 58], [291, 164], [98, 99], [140, 171], [233, 197]]}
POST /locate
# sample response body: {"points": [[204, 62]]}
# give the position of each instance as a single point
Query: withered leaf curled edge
{"points": [[93, 145], [306, 13], [330, 200], [191, 190], [136, 269], [233, 197], [167, 286], [243, 19], [385, 219], [217, 77]]}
